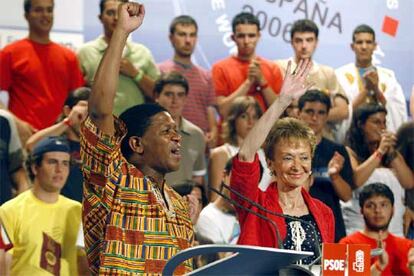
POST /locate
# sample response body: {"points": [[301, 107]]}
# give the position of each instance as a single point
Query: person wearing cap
{"points": [[73, 114], [41, 224], [133, 221]]}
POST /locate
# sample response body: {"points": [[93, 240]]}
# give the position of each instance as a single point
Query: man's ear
{"points": [[233, 37], [135, 143], [66, 110], [100, 17], [352, 46], [34, 169]]}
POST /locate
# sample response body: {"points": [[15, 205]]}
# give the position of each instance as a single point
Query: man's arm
{"points": [[101, 101], [211, 135], [255, 72], [342, 188], [339, 110], [144, 82], [293, 87]]}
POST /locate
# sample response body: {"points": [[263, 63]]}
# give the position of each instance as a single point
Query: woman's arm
{"points": [[218, 159], [364, 170], [404, 174], [293, 87]]}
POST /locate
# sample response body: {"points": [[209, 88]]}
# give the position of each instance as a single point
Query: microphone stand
{"points": [[235, 203]]}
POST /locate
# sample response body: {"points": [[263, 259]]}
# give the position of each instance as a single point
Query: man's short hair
{"points": [[363, 28], [304, 26], [77, 95], [183, 20], [245, 18], [314, 95], [375, 189], [171, 78], [102, 4], [27, 5], [137, 119]]}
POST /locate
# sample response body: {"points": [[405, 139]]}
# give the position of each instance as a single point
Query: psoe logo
{"points": [[334, 265], [358, 265]]}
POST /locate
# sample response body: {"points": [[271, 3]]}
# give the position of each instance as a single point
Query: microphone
{"points": [[235, 203], [260, 207]]}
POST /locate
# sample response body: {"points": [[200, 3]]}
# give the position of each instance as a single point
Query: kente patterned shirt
{"points": [[127, 226]]}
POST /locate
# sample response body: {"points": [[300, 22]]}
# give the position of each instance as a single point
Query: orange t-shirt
{"points": [[38, 78], [228, 74], [396, 247]]}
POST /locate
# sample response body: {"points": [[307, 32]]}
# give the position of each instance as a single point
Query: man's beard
{"points": [[376, 228], [184, 54]]}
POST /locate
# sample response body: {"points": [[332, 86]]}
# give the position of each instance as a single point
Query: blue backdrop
{"points": [[77, 21]]}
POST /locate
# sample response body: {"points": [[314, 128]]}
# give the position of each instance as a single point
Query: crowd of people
{"points": [[112, 164]]}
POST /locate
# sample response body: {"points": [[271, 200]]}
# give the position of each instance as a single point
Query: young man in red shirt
{"points": [[377, 207]]}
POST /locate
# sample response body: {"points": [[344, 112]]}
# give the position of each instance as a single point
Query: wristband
{"points": [[67, 122], [378, 267], [139, 76], [378, 155]]}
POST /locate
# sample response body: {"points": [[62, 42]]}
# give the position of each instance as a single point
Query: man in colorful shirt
{"points": [[133, 222]]}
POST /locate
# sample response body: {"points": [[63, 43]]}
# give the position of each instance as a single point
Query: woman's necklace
{"points": [[166, 203]]}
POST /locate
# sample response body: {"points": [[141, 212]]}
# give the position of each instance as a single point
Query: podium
{"points": [[246, 260]]}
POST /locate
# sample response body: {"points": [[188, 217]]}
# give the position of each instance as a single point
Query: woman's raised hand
{"points": [[295, 85]]}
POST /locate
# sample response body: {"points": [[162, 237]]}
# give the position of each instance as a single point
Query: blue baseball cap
{"points": [[51, 143]]}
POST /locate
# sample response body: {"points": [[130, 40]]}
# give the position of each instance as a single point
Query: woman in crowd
{"points": [[243, 114], [405, 145], [288, 146], [374, 158]]}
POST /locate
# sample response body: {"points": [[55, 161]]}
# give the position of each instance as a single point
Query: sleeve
{"points": [[245, 179], [208, 229], [83, 56], [8, 227], [329, 220], [101, 156], [80, 242], [199, 168], [346, 172], [211, 96], [150, 67], [5, 70], [396, 104], [15, 153], [334, 87], [5, 243], [344, 240], [219, 81], [76, 77]]}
